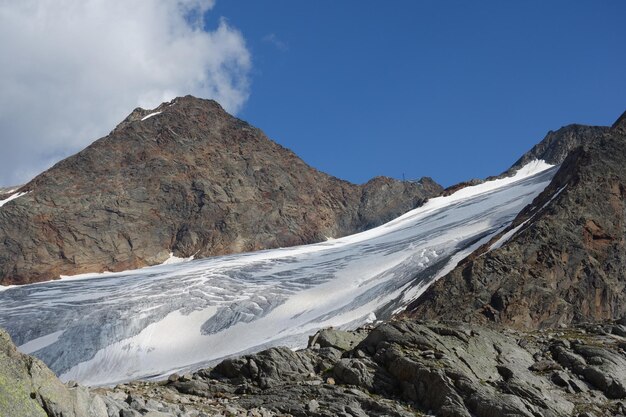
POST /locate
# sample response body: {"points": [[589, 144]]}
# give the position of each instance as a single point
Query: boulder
{"points": [[29, 389]]}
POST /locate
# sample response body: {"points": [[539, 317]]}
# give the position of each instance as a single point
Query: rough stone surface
{"points": [[338, 339], [401, 368], [408, 368], [566, 261], [29, 389]]}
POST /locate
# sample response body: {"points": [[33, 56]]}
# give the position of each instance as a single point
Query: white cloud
{"points": [[72, 69], [276, 41]]}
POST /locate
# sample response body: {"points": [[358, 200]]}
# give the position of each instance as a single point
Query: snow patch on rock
{"points": [[12, 197]]}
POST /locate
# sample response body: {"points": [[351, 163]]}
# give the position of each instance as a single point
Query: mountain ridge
{"points": [[559, 267], [562, 260], [189, 180]]}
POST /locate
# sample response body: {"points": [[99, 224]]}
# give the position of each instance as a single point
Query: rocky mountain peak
{"points": [[562, 260], [620, 123], [188, 106], [556, 145], [185, 178]]}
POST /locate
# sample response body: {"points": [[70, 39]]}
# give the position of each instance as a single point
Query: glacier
{"points": [[102, 329]]}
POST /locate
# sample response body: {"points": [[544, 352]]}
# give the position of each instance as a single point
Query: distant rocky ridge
{"points": [[400, 369], [189, 179], [565, 258], [553, 149]]}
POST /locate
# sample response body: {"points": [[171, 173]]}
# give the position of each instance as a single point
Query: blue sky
{"points": [[448, 89]]}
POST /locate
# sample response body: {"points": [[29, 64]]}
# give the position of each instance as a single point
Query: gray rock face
{"points": [[405, 368], [401, 368], [29, 389], [565, 261], [555, 147], [191, 180], [337, 339]]}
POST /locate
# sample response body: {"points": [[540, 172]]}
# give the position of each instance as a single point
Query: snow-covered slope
{"points": [[11, 198], [106, 328]]}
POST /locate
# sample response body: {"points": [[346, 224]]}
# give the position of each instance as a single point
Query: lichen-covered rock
{"points": [[29, 389], [15, 384]]}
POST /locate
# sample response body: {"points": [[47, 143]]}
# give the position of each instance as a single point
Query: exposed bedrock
{"points": [[399, 368]]}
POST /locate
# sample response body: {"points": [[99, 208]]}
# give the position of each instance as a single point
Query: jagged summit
{"points": [[563, 259], [556, 145], [185, 178], [553, 149], [620, 123], [180, 105]]}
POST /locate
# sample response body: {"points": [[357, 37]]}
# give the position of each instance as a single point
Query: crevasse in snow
{"points": [[103, 329]]}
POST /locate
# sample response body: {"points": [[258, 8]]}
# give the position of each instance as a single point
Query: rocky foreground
{"points": [[399, 368]]}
